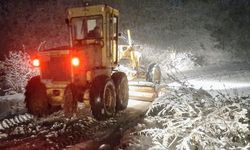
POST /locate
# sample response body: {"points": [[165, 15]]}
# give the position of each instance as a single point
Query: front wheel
{"points": [[103, 98], [121, 85]]}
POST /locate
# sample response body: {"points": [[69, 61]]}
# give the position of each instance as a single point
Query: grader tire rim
{"points": [[102, 98], [109, 98]]}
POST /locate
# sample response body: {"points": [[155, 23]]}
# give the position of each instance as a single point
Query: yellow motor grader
{"points": [[85, 71], [143, 83]]}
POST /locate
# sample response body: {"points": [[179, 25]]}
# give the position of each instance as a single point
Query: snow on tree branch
{"points": [[18, 70], [191, 119]]}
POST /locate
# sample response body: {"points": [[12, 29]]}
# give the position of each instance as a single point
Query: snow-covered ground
{"points": [[184, 116], [230, 79], [57, 131], [205, 108], [11, 105]]}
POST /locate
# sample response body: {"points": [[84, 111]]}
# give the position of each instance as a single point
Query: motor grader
{"points": [[83, 71], [86, 71], [143, 83]]}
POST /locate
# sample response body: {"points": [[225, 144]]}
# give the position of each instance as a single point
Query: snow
{"points": [[18, 70], [230, 79], [11, 105], [16, 97], [186, 118], [199, 107], [206, 108]]}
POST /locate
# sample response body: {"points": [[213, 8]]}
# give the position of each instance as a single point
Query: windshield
{"points": [[86, 28]]}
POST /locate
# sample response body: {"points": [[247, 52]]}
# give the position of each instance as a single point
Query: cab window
{"points": [[86, 28]]}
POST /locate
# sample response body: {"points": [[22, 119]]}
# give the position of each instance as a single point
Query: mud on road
{"points": [[58, 132]]}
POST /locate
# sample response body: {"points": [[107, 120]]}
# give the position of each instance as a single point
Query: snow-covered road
{"points": [[57, 132]]}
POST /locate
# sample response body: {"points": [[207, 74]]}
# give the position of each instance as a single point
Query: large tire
{"points": [[154, 73], [70, 100], [102, 98], [36, 99], [121, 85]]}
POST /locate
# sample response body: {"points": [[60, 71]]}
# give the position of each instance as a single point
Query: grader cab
{"points": [[84, 71]]}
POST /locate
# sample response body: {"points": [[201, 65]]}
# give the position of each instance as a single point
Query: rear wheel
{"points": [[121, 85], [36, 99], [102, 98], [70, 101]]}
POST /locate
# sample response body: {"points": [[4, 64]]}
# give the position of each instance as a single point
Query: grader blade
{"points": [[142, 91]]}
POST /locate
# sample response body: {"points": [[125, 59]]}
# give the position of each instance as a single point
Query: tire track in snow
{"points": [[53, 132], [15, 121]]}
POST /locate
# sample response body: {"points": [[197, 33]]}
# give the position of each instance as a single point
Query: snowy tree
{"points": [[18, 70], [186, 118]]}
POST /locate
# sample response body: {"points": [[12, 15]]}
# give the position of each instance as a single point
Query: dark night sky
{"points": [[196, 25]]}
